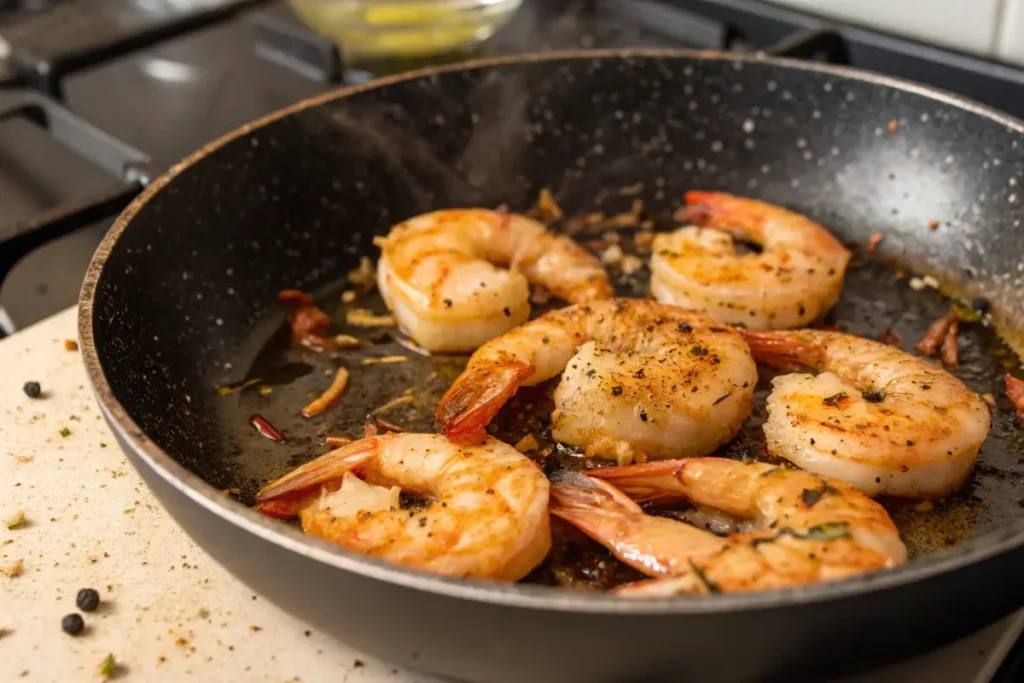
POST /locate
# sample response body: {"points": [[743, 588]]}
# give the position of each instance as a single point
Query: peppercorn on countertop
{"points": [[167, 612]]}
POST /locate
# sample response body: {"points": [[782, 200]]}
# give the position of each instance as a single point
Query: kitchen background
{"points": [[168, 98]]}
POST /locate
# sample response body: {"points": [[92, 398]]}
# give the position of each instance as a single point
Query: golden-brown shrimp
{"points": [[638, 379], [444, 275], [487, 515], [795, 527], [875, 417], [796, 277]]}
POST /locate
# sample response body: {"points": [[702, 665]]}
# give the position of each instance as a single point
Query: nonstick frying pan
{"points": [[180, 299]]}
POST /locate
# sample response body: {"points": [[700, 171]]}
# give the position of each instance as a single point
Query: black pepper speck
{"points": [[72, 624], [87, 600], [32, 389]]}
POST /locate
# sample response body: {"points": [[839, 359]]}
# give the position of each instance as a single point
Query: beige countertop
{"points": [[170, 613]]}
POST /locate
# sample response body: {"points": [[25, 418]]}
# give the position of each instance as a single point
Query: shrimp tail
{"points": [[650, 482], [476, 397], [293, 488], [666, 587], [577, 492], [286, 507], [784, 350], [699, 208]]}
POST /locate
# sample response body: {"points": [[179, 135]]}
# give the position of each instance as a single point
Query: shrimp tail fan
{"points": [[476, 397]]}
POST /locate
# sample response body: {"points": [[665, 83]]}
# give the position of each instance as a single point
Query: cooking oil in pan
{"points": [[876, 302]]}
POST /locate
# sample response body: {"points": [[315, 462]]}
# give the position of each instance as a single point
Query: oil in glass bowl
{"points": [[404, 29]]}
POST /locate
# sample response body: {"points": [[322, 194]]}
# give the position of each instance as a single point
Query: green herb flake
{"points": [[65, 432], [835, 399], [712, 587], [812, 496], [109, 667], [828, 531], [204, 613]]}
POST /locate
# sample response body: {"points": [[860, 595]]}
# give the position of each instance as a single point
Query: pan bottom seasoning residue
{"points": [[391, 384]]}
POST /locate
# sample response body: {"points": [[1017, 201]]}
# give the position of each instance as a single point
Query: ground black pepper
{"points": [[32, 389]]}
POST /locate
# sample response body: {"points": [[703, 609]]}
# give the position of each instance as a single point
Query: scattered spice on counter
{"points": [[72, 624], [358, 664], [893, 125], [16, 519], [32, 389], [87, 599], [65, 432], [204, 613], [255, 629], [12, 569], [108, 667], [70, 345], [933, 225]]}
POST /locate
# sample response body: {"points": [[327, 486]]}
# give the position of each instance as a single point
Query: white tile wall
{"points": [[1010, 38], [966, 25]]}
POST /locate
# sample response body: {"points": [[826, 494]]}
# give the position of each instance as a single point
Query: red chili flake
{"points": [[873, 243], [265, 428], [890, 337], [308, 321], [294, 297], [893, 125], [389, 426], [1015, 392], [951, 345], [936, 334], [933, 225]]}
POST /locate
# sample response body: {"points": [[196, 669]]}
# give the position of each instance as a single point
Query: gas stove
{"points": [[98, 96]]}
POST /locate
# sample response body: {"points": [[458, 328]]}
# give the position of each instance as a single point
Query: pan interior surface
{"points": [[184, 298]]}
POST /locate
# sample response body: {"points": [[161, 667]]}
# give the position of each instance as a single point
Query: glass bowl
{"points": [[404, 28]]}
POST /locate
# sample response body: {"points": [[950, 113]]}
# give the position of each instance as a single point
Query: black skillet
{"points": [[180, 299]]}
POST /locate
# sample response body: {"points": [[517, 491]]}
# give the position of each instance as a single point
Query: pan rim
{"points": [[965, 555]]}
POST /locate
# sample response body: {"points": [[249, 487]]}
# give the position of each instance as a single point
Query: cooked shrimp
{"points": [[487, 515], [443, 274], [796, 527], [875, 417], [794, 279], [639, 379]]}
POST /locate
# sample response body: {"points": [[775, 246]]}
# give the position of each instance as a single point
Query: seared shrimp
{"points": [[794, 279], [487, 515], [439, 273], [796, 528], [875, 417], [639, 379]]}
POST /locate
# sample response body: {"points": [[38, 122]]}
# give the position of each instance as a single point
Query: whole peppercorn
{"points": [[87, 600], [32, 389], [72, 624]]}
